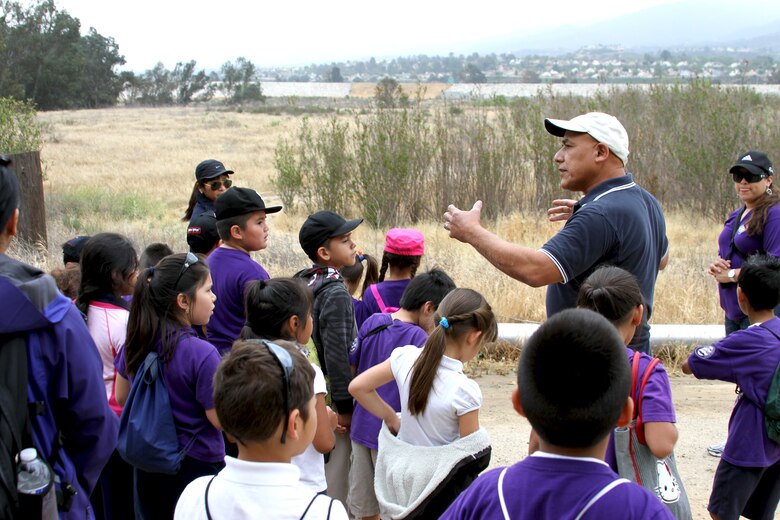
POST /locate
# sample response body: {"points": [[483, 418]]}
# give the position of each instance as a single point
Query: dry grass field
{"points": [[131, 171]]}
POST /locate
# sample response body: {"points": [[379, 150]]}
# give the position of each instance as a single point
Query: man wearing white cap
{"points": [[616, 222]]}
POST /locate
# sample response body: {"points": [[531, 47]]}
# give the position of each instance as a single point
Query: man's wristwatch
{"points": [[731, 274]]}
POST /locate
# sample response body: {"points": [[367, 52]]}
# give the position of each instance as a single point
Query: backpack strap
{"points": [[732, 246], [310, 503], [378, 297], [206, 497], [639, 425], [598, 496]]}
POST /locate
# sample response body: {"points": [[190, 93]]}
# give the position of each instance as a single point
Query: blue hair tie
{"points": [[360, 257], [444, 323]]}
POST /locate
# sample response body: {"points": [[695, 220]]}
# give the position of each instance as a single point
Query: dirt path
{"points": [[702, 408]]}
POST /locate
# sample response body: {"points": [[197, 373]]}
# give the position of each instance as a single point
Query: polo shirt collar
{"points": [[608, 186], [260, 473], [451, 364]]}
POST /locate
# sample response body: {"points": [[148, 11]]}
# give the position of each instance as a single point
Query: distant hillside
{"points": [[690, 23]]}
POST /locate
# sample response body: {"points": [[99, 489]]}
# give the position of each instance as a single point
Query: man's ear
{"points": [[602, 152], [627, 413], [518, 406]]}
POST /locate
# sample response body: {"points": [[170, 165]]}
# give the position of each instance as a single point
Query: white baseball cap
{"points": [[602, 127]]}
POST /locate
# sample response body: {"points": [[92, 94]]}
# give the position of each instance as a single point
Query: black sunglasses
{"points": [[215, 185], [751, 177], [189, 260], [285, 362]]}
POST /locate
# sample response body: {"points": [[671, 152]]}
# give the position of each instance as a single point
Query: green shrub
{"points": [[19, 129]]}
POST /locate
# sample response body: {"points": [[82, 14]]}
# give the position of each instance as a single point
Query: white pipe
{"points": [[660, 334]]}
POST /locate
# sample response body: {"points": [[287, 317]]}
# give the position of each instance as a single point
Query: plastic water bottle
{"points": [[35, 484]]}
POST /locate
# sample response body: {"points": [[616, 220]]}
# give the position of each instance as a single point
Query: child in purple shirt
{"points": [[169, 299], [377, 338], [404, 249], [747, 481], [241, 222], [573, 386]]}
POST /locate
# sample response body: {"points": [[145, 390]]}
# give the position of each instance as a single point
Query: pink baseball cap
{"points": [[406, 242]]}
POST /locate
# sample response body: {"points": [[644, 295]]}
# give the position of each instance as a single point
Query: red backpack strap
{"points": [[639, 425], [378, 297]]}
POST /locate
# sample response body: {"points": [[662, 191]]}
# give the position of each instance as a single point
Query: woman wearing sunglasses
{"points": [[211, 181], [750, 229], [169, 300]]}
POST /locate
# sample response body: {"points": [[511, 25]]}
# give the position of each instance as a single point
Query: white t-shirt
{"points": [[107, 325], [311, 462], [452, 395], [255, 490]]}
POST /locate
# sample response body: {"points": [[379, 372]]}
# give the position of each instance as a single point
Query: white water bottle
{"points": [[35, 485]]}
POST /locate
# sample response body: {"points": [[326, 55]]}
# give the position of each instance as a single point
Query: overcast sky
{"points": [[307, 31]]}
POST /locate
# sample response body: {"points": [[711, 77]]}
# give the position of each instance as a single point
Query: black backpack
{"points": [[15, 429]]}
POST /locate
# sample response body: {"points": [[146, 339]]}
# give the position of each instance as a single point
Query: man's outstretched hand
{"points": [[461, 224]]}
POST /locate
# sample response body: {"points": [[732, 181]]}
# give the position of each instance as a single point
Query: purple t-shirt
{"points": [[231, 272], [373, 350], [189, 375], [390, 291], [748, 358], [545, 486], [657, 403], [768, 241]]}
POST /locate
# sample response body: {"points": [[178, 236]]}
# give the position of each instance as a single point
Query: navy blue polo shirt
{"points": [[617, 223]]}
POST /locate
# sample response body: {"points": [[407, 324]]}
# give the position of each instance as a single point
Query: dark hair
{"points": [[108, 260], [9, 191], [249, 390], [400, 261], [154, 312], [153, 254], [759, 279], [573, 378], [353, 273], [757, 221], [270, 303], [193, 200], [68, 279], [465, 310], [612, 292], [224, 225], [431, 286]]}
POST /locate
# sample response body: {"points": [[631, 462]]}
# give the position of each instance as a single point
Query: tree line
{"points": [[48, 62]]}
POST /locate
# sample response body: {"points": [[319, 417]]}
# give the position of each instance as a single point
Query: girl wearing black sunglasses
{"points": [[211, 181], [169, 299]]}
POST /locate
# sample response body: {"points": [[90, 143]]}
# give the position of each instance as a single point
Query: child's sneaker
{"points": [[716, 450]]}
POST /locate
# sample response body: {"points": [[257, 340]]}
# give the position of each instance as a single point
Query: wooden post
{"points": [[32, 208]]}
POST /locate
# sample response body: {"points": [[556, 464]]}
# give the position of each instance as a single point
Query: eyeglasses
{"points": [[751, 177], [215, 185], [189, 260], [285, 362]]}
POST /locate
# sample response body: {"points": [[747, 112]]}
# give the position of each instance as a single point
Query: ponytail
{"points": [[612, 292], [460, 312], [154, 312], [191, 204], [270, 303], [372, 273]]}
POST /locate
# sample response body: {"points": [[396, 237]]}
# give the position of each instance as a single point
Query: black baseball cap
{"points": [[755, 162], [240, 201], [210, 169], [321, 226], [71, 250], [202, 233]]}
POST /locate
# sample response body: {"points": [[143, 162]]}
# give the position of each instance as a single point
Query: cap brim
{"points": [[347, 227], [559, 127], [273, 209], [752, 168]]}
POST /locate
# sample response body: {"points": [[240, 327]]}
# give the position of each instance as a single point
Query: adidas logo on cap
{"points": [[747, 158]]}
